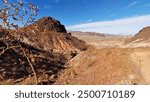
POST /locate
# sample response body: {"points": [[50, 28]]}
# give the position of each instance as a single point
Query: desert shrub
{"points": [[12, 17]]}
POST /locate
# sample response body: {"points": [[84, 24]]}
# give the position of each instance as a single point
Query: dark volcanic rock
{"points": [[50, 24]]}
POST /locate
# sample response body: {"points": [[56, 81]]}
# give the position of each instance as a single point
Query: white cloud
{"points": [[129, 25], [132, 4]]}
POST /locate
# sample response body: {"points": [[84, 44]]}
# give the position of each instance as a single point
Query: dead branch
{"points": [[33, 69], [16, 12]]}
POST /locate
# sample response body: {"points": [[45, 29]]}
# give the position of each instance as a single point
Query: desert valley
{"points": [[61, 57]]}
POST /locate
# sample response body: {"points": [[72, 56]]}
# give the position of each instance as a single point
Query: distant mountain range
{"points": [[94, 34]]}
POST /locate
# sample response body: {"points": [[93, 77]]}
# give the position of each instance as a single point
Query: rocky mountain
{"points": [[143, 35], [44, 46], [50, 35], [141, 39], [49, 24], [80, 33]]}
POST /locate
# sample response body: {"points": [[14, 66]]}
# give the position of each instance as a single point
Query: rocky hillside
{"points": [[142, 39], [48, 34], [143, 34], [49, 24], [44, 46]]}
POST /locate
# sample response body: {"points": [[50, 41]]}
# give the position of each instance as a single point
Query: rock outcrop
{"points": [[48, 34], [143, 35], [142, 39], [46, 44], [49, 24]]}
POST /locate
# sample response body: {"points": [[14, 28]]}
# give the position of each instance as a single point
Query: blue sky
{"points": [[71, 12], [83, 11], [85, 14]]}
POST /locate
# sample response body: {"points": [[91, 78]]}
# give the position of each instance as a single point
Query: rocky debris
{"points": [[14, 65], [48, 47]]}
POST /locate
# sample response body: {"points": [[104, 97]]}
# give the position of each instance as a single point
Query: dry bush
{"points": [[12, 17]]}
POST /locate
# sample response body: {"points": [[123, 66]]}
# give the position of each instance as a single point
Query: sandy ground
{"points": [[106, 64], [102, 42], [142, 59]]}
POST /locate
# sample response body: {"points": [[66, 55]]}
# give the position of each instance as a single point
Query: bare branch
{"points": [[11, 15], [4, 1]]}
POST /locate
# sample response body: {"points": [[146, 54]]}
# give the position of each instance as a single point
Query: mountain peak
{"points": [[50, 24]]}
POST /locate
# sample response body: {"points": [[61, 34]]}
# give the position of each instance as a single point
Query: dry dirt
{"points": [[105, 66], [106, 63], [141, 57], [102, 42], [60, 58]]}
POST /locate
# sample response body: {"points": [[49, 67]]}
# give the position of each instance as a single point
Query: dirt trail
{"points": [[142, 59]]}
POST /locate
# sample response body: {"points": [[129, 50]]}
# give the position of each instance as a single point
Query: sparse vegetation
{"points": [[11, 15], [42, 52]]}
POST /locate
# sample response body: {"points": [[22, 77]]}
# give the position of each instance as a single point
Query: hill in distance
{"points": [[141, 39]]}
